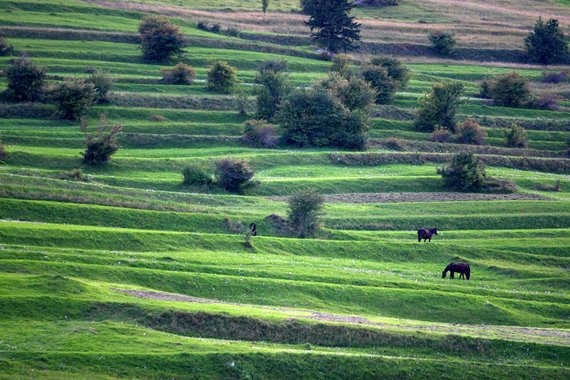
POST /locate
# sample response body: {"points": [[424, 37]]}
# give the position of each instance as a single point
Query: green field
{"points": [[128, 273]]}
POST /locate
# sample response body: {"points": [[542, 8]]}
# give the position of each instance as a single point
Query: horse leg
{"points": [[461, 275], [451, 276]]}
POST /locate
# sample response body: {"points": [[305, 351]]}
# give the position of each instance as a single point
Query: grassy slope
{"points": [[365, 300]]}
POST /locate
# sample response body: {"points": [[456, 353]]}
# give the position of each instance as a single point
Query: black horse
{"points": [[426, 234], [462, 268]]}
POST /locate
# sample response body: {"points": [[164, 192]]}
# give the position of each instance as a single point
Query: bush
{"points": [[25, 80], [74, 98], [546, 44], [260, 134], [470, 132], [73, 175], [222, 78], [464, 173], [102, 82], [515, 137], [3, 153], [305, 211], [546, 101], [341, 65], [317, 118], [233, 175], [440, 135], [160, 40], [179, 74], [442, 42], [499, 186], [386, 76], [554, 77], [273, 87], [438, 109], [353, 92], [195, 175], [101, 147], [509, 90], [5, 47]]}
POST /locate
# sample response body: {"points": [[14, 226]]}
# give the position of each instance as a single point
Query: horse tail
{"points": [[419, 235], [467, 271]]}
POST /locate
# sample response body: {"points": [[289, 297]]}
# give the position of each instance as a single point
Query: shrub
{"points": [[179, 74], [485, 91], [305, 212], [438, 109], [470, 132], [554, 77], [499, 186], [515, 137], [3, 153], [440, 135], [74, 97], [546, 101], [101, 147], [546, 44], [222, 78], [233, 175], [260, 134], [341, 65], [509, 90], [5, 47], [386, 76], [442, 42], [73, 175], [273, 87], [395, 144], [194, 175], [317, 118], [160, 40], [463, 173], [353, 92], [25, 80], [102, 82]]}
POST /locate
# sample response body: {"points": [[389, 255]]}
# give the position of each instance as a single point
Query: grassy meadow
{"points": [[128, 273]]}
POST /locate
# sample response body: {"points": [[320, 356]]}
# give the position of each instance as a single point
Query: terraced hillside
{"points": [[120, 271]]}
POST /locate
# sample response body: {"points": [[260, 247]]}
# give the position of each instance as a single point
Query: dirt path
{"points": [[551, 336], [419, 197]]}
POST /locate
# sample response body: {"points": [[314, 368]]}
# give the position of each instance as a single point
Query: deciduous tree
{"points": [[546, 44]]}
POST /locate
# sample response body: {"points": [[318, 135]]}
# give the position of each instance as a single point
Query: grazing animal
{"points": [[462, 268], [253, 229], [426, 234]]}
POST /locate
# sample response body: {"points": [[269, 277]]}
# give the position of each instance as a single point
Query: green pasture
{"points": [[127, 273]]}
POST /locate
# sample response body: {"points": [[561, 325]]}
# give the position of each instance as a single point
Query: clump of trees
{"points": [[222, 78], [332, 27], [386, 75], [442, 42], [305, 213], [101, 145], [439, 108], [74, 98], [515, 136], [25, 81], [507, 90], [259, 133], [180, 74], [546, 43], [160, 39]]}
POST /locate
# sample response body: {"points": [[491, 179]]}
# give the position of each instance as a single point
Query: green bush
{"points": [[463, 173], [317, 118], [195, 175], [74, 98], [234, 175], [222, 78], [25, 81], [273, 86], [509, 90], [258, 133], [470, 132], [5, 47], [305, 213], [546, 43], [103, 145], [442, 42], [516, 137], [439, 108], [102, 82], [160, 40], [3, 153], [386, 76], [341, 65], [179, 74]]}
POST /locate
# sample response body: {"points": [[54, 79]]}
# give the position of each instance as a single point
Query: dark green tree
{"points": [[101, 146], [222, 78], [442, 42], [332, 27], [74, 98], [264, 6], [386, 75], [515, 136], [179, 74], [305, 212], [25, 81], [273, 86], [234, 175], [6, 48], [353, 92], [439, 108], [102, 82], [509, 90], [546, 44], [160, 40], [463, 173]]}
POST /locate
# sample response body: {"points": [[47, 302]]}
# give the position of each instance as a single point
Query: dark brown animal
{"points": [[462, 268], [426, 234]]}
